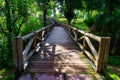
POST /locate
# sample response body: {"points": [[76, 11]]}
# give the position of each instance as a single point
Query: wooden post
{"points": [[34, 42], [18, 55], [103, 54], [84, 45]]}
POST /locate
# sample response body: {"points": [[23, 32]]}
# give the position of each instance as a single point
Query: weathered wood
{"points": [[38, 31], [60, 55], [80, 45], [103, 54], [43, 34], [82, 32], [75, 35], [40, 36], [17, 56], [29, 55], [88, 54], [34, 43], [97, 38], [84, 44], [15, 53], [28, 36], [28, 46], [38, 39], [81, 38], [20, 52], [94, 52], [100, 58]]}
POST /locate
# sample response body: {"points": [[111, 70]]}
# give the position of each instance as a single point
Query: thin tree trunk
{"points": [[44, 15], [8, 16], [69, 22], [116, 48], [9, 28]]}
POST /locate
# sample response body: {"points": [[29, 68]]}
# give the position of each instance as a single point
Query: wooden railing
{"points": [[25, 46], [97, 58]]}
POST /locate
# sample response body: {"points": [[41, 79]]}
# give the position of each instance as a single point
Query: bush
{"points": [[5, 60]]}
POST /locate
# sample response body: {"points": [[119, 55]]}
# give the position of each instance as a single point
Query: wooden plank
{"points": [[80, 45], [20, 52], [80, 38], [28, 46], [84, 44], [38, 38], [88, 54], [38, 31], [34, 43], [94, 52], [27, 57], [28, 36], [80, 31], [103, 54], [70, 56], [97, 38], [31, 34], [15, 53], [41, 70], [75, 35], [60, 62], [43, 34]]}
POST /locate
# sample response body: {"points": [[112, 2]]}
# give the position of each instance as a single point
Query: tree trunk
{"points": [[69, 22], [44, 15], [116, 48], [8, 16], [109, 6], [9, 27]]}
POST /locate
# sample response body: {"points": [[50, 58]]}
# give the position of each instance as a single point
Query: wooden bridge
{"points": [[60, 50]]}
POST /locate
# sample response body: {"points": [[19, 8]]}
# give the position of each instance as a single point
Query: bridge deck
{"points": [[60, 54]]}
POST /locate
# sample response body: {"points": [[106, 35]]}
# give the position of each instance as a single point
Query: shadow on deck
{"points": [[59, 59]]}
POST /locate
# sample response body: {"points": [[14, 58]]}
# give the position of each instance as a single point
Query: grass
{"points": [[113, 68], [112, 73]]}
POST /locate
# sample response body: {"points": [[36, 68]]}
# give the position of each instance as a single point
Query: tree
{"points": [[69, 6], [69, 15], [15, 15], [107, 21], [44, 4]]}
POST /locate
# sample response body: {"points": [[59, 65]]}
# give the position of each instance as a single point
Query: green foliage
{"points": [[79, 24], [114, 61], [13, 17], [111, 74], [9, 77], [89, 21], [32, 25], [7, 74], [5, 59]]}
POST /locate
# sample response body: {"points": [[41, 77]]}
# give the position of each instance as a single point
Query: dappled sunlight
{"points": [[60, 54]]}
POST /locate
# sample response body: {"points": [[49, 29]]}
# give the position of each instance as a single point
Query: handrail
{"points": [[22, 53], [98, 59]]}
